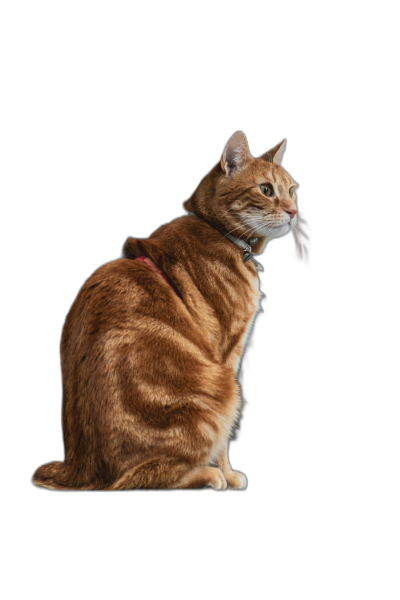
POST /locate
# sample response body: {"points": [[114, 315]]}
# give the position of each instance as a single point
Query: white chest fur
{"points": [[247, 333], [234, 362]]}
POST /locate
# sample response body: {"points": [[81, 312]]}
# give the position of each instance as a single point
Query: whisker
{"points": [[298, 231], [245, 233], [302, 232], [223, 214], [230, 232]]}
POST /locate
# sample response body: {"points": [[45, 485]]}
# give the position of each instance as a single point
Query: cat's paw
{"points": [[218, 481], [236, 480]]}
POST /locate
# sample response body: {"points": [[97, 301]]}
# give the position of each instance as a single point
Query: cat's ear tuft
{"points": [[236, 153], [275, 155]]}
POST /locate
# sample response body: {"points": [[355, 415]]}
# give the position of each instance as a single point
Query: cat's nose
{"points": [[291, 213]]}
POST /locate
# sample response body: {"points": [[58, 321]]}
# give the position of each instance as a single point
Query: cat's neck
{"points": [[245, 245]]}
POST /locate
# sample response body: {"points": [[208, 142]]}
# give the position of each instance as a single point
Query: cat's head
{"points": [[249, 197]]}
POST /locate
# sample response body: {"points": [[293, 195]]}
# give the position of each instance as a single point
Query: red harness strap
{"points": [[147, 261]]}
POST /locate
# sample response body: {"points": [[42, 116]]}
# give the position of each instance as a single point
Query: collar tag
{"points": [[246, 256]]}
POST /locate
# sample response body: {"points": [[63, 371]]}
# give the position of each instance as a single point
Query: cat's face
{"points": [[257, 196]]}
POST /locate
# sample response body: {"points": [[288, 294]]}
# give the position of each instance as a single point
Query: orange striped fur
{"points": [[150, 390]]}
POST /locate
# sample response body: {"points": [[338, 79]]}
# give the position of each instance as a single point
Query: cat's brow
{"points": [[286, 177]]}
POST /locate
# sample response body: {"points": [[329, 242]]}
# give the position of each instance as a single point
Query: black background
{"points": [[109, 155]]}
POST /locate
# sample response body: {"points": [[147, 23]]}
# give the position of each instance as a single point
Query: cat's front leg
{"points": [[234, 479]]}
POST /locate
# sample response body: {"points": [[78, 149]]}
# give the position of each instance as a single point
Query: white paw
{"points": [[243, 479], [237, 480], [218, 482]]}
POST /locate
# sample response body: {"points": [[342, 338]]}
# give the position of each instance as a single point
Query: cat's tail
{"points": [[56, 476]]}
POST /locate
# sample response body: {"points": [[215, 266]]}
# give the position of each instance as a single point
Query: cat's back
{"points": [[116, 296]]}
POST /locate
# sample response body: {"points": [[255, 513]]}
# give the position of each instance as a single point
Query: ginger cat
{"points": [[152, 345]]}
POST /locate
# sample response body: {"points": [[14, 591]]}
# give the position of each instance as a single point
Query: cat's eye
{"points": [[292, 192], [267, 189]]}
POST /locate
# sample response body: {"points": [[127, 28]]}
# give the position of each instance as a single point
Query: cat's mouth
{"points": [[272, 231], [280, 225]]}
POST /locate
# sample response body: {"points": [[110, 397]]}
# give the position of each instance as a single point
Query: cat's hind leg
{"points": [[168, 473]]}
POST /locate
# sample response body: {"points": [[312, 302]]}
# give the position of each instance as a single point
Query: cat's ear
{"points": [[236, 153], [276, 154]]}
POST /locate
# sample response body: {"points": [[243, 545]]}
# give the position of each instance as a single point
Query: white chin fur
{"points": [[275, 232]]}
